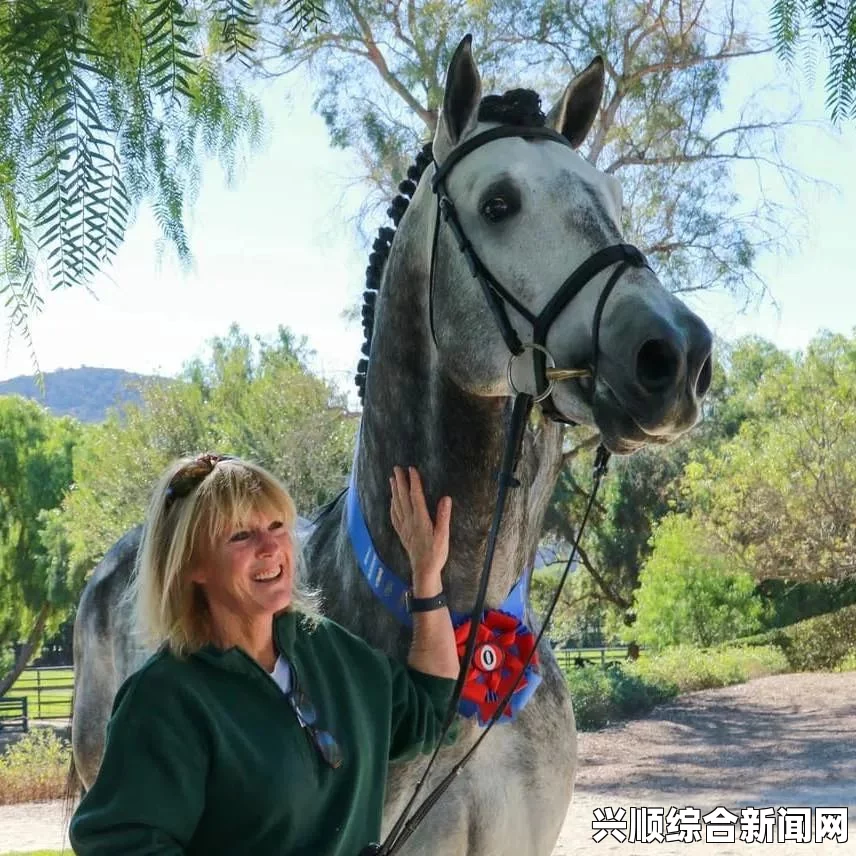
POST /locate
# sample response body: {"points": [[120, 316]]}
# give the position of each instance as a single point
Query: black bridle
{"points": [[499, 299]]}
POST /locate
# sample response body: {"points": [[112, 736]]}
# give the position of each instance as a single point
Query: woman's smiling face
{"points": [[248, 571]]}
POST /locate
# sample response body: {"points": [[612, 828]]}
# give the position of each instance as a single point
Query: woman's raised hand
{"points": [[426, 542]]}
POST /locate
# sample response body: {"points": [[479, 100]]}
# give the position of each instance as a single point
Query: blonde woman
{"points": [[259, 727]]}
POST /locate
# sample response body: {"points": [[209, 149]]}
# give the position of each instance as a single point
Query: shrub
{"points": [[35, 768], [821, 642], [848, 664], [688, 669], [591, 692], [604, 695], [625, 690], [818, 643]]}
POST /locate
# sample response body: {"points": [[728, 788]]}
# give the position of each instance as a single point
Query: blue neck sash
{"points": [[391, 591]]}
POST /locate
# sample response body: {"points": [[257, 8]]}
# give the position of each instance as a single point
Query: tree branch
{"points": [[691, 62], [609, 593], [588, 443], [378, 60]]}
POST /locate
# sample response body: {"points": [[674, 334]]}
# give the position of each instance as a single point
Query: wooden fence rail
{"points": [[47, 690], [13, 713], [568, 658]]}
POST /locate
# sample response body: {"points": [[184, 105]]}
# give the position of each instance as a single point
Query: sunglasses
{"points": [[307, 716], [190, 476]]}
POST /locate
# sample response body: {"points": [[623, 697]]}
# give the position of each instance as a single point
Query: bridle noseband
{"points": [[500, 298]]}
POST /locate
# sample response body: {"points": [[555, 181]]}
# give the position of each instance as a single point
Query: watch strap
{"points": [[425, 604]]}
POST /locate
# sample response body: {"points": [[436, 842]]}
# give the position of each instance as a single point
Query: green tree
{"points": [[740, 369], [689, 593], [831, 25], [638, 492], [252, 398], [790, 602], [35, 474], [780, 496], [103, 104], [380, 70], [579, 614]]}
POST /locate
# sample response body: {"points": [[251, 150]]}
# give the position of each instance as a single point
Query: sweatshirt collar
{"points": [[235, 659]]}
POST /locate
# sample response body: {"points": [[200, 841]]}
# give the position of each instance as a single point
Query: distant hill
{"points": [[84, 393]]}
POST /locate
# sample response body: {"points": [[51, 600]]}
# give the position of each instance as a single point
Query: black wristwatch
{"points": [[425, 604]]}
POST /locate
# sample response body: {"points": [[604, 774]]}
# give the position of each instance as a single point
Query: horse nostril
{"points": [[656, 365], [704, 378]]}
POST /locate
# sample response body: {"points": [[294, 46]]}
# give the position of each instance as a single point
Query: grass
{"points": [[37, 853], [48, 693]]}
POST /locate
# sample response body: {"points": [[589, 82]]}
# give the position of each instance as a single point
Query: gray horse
{"points": [[436, 395]]}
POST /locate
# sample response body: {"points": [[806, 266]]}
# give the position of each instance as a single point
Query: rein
{"points": [[499, 299], [406, 823]]}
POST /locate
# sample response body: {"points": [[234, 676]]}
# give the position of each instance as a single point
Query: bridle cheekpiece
{"points": [[500, 298]]}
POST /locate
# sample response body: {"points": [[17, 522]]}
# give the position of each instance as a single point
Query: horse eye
{"points": [[496, 209]]}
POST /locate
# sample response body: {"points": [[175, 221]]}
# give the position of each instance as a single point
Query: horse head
{"points": [[516, 215]]}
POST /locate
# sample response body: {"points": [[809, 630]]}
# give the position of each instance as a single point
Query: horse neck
{"points": [[415, 415]]}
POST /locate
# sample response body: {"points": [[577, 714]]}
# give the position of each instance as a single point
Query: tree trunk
{"points": [[26, 653]]}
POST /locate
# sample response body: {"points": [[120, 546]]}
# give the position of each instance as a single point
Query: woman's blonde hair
{"points": [[195, 499]]}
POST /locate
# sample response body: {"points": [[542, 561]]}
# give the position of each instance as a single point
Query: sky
{"points": [[281, 246]]}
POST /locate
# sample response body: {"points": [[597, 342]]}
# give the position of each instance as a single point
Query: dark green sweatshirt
{"points": [[204, 755]]}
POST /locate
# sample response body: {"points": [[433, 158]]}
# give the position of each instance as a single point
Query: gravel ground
{"points": [[781, 741], [787, 740]]}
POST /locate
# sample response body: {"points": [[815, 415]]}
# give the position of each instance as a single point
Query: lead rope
{"points": [[600, 468], [402, 831]]}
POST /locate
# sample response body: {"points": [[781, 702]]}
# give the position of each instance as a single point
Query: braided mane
{"points": [[520, 107]]}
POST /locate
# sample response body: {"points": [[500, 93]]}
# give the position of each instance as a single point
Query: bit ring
{"points": [[533, 347]]}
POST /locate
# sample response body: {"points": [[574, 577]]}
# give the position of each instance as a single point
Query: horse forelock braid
{"points": [[516, 107]]}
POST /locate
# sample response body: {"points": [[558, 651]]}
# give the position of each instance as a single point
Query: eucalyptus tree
{"points": [[379, 66]]}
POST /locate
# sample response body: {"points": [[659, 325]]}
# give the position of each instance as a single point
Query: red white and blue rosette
{"points": [[503, 645]]}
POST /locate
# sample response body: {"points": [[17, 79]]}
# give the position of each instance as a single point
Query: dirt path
{"points": [[789, 740]]}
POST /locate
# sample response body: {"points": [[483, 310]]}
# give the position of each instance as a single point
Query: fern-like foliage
{"points": [[106, 103], [304, 14], [167, 33], [785, 17], [832, 23], [239, 31]]}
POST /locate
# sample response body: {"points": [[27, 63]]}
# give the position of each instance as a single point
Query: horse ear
{"points": [[460, 100], [575, 112]]}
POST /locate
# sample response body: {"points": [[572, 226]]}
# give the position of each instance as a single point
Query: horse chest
{"points": [[511, 798]]}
